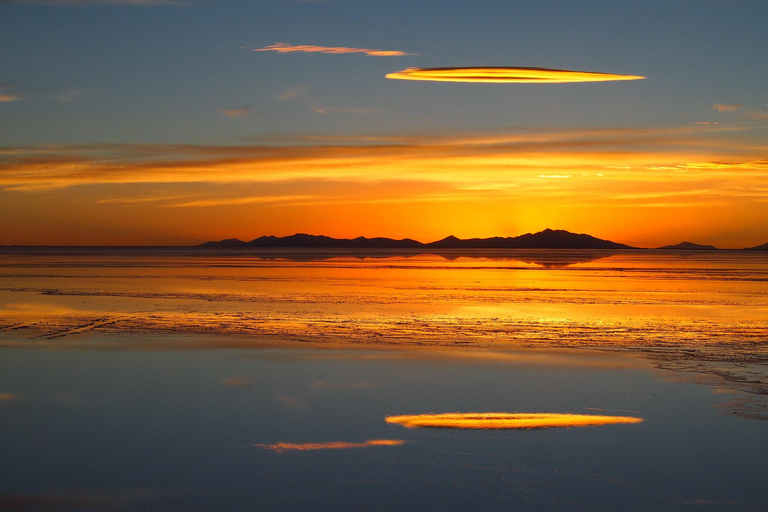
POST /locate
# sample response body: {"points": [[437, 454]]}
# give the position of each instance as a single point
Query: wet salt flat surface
{"points": [[224, 380], [704, 314], [291, 428]]}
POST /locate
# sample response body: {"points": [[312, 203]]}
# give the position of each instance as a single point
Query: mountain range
{"points": [[547, 239]]}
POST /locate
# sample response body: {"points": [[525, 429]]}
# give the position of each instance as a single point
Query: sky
{"points": [[159, 122]]}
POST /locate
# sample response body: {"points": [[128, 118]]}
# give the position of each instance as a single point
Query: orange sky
{"points": [[644, 187]]}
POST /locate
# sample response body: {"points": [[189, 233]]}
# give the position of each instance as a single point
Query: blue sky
{"points": [[164, 73]]}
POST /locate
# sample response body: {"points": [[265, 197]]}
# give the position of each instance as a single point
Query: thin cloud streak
{"points": [[506, 75], [6, 93], [237, 112], [335, 445], [344, 110], [720, 107], [462, 162], [335, 50]]}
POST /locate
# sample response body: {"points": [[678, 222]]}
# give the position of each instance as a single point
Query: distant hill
{"points": [[229, 242], [547, 239], [763, 247], [303, 240], [689, 246]]}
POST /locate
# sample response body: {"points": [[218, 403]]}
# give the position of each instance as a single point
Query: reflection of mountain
{"points": [[547, 239], [688, 246], [544, 257]]}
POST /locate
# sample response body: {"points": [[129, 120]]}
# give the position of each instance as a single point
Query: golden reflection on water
{"points": [[333, 445], [500, 420]]}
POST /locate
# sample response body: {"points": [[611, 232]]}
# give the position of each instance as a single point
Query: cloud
{"points": [[293, 92], [720, 107], [237, 112], [507, 75], [302, 93], [335, 445], [345, 110], [68, 95], [292, 48], [7, 400], [511, 161], [343, 385], [238, 382], [494, 421], [7, 95]]}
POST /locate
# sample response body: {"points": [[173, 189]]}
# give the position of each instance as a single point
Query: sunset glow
{"points": [[504, 421], [244, 245]]}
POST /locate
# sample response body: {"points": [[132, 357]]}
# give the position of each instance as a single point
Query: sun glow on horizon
{"points": [[423, 187]]}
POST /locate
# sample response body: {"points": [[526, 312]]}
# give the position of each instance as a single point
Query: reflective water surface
{"points": [[190, 380]]}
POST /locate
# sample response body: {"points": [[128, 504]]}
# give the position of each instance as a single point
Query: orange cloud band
{"points": [[335, 445], [309, 48], [507, 75], [494, 421]]}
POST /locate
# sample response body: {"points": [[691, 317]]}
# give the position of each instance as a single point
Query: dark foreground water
{"points": [[216, 381], [198, 430]]}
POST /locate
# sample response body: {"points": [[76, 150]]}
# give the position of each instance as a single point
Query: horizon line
{"points": [[684, 245]]}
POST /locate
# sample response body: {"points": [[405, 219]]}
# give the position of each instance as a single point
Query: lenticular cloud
{"points": [[499, 420], [507, 75]]}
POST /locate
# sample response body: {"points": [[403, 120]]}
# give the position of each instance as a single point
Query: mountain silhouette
{"points": [[229, 242], [547, 239], [688, 246], [763, 247]]}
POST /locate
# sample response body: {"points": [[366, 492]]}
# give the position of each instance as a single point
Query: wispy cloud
{"points": [[293, 92], [8, 399], [7, 95], [234, 201], [69, 95], [345, 110], [515, 157], [721, 107], [507, 75], [238, 382], [334, 445], [315, 179], [498, 421], [305, 48], [343, 385], [237, 112], [302, 94]]}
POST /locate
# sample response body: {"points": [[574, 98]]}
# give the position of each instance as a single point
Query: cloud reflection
{"points": [[311, 48], [334, 445], [507, 75], [498, 421]]}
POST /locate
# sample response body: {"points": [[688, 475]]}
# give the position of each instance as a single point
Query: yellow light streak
{"points": [[498, 421], [507, 75]]}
